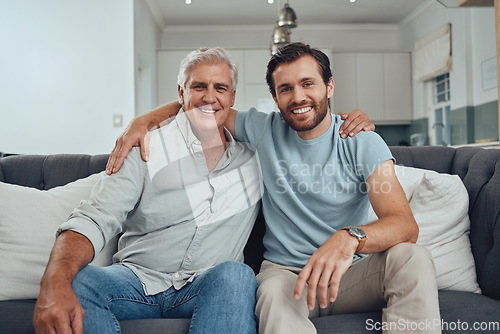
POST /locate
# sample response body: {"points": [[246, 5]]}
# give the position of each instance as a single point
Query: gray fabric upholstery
{"points": [[478, 168]]}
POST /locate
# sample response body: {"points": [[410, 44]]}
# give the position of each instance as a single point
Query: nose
{"points": [[209, 96], [298, 95]]}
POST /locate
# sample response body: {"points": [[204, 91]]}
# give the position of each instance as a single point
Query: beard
{"points": [[320, 110]]}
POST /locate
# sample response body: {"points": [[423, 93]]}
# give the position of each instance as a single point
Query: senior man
{"points": [[185, 217]]}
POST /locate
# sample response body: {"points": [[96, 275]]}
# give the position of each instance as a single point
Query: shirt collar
{"points": [[191, 139]]}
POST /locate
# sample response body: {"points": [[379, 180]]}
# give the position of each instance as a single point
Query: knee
{"points": [[236, 275], [415, 260]]}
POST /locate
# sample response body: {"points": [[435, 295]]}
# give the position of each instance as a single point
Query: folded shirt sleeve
{"points": [[100, 217]]}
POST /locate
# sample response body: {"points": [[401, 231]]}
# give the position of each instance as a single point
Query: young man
{"points": [[185, 217], [318, 190]]}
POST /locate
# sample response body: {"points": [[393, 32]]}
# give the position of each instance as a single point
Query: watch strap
{"points": [[361, 240]]}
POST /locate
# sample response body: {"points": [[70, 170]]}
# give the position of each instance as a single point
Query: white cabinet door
{"points": [[370, 84], [377, 83], [258, 96], [254, 85], [344, 76], [397, 87], [256, 66]]}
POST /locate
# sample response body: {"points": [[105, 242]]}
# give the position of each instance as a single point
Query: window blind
{"points": [[433, 54]]}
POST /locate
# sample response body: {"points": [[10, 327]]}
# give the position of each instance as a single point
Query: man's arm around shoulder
{"points": [[57, 309]]}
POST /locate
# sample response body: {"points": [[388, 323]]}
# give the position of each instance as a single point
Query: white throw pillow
{"points": [[440, 204], [29, 219]]}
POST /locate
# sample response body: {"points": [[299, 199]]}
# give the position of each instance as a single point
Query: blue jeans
{"points": [[221, 300]]}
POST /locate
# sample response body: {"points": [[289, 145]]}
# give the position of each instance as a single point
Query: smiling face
{"points": [[207, 96], [302, 96]]}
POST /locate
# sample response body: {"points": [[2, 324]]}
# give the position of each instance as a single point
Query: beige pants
{"points": [[400, 282]]}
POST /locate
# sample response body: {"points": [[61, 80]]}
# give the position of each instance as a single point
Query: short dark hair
{"points": [[292, 52]]}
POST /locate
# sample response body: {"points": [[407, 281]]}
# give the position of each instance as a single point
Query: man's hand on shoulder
{"points": [[136, 134], [355, 122]]}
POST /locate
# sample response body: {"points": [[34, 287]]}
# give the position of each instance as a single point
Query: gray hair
{"points": [[212, 55]]}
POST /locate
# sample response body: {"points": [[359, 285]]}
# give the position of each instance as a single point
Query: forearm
{"points": [[71, 252], [158, 115], [389, 231]]}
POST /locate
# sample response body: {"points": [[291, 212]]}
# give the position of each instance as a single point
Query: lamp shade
{"points": [[275, 48], [287, 18], [281, 36]]}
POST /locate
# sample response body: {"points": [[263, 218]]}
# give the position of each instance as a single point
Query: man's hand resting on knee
{"points": [[58, 310], [325, 268]]}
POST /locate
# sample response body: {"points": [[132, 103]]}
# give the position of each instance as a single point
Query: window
{"points": [[441, 106], [441, 88]]}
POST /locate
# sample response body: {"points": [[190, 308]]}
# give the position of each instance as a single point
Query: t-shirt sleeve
{"points": [[369, 152], [249, 126]]}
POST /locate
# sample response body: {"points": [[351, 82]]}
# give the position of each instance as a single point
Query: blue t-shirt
{"points": [[312, 187]]}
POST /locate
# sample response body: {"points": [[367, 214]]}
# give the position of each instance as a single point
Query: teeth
{"points": [[301, 110], [208, 111]]}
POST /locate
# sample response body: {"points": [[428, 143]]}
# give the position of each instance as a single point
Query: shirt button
{"points": [[189, 257], [176, 275], [197, 142], [198, 155]]}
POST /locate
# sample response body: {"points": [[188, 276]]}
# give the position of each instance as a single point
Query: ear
{"points": [[329, 88], [180, 91], [275, 99], [233, 97]]}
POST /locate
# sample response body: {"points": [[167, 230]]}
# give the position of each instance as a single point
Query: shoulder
{"points": [[365, 139], [252, 126], [253, 115]]}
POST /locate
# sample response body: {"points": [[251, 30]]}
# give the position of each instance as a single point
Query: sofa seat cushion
{"points": [[457, 307]]}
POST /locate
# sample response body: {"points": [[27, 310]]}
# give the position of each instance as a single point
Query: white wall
{"points": [[146, 42], [484, 48], [473, 41], [65, 68], [338, 38]]}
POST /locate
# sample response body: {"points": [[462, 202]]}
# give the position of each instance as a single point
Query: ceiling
{"points": [[260, 12]]}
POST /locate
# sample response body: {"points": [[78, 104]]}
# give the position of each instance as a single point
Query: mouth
{"points": [[207, 110], [301, 110]]}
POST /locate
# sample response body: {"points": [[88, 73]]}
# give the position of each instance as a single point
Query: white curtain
{"points": [[433, 54]]}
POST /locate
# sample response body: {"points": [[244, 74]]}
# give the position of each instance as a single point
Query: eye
{"points": [[221, 89], [285, 89], [307, 84]]}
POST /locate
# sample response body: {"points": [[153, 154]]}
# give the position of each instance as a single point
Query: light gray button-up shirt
{"points": [[177, 218]]}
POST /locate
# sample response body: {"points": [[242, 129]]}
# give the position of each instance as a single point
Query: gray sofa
{"points": [[478, 168]]}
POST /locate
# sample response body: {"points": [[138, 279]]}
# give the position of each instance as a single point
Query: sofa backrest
{"points": [[478, 168], [48, 171]]}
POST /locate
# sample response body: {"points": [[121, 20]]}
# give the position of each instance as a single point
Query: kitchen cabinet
{"points": [[377, 83]]}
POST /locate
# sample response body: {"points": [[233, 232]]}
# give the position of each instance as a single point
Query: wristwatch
{"points": [[359, 234]]}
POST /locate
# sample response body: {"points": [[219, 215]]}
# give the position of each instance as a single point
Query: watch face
{"points": [[357, 232]]}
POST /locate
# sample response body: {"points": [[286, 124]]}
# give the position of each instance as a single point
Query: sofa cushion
{"points": [[439, 203], [29, 219]]}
